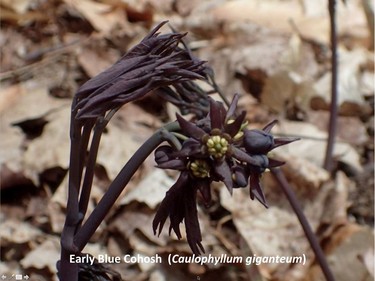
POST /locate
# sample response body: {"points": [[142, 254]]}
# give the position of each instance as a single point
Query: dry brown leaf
{"points": [[19, 6], [132, 118], [262, 54], [52, 148], [15, 232], [291, 85], [116, 148], [350, 98], [368, 259], [151, 190], [266, 230], [287, 88], [299, 58], [93, 63], [33, 101], [102, 17], [56, 216], [143, 248], [312, 145], [158, 276], [184, 7], [10, 96], [305, 174], [276, 230], [278, 14], [11, 147], [336, 211], [243, 50], [349, 129], [44, 256], [126, 224], [348, 248], [367, 82]]}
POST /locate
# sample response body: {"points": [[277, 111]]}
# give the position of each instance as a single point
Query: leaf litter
{"points": [[281, 72]]}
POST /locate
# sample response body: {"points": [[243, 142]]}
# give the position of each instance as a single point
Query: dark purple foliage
{"points": [[155, 62], [218, 148]]}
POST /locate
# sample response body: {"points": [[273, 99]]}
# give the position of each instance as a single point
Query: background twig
{"points": [[287, 189], [328, 161]]}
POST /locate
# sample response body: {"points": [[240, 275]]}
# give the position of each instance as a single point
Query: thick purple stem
{"points": [[118, 185]]}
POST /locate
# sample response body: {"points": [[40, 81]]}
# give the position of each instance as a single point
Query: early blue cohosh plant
{"points": [[217, 146]]}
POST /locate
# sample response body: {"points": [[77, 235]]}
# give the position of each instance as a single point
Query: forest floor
{"points": [[274, 53]]}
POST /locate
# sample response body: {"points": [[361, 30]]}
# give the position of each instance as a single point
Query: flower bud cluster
{"points": [[219, 148]]}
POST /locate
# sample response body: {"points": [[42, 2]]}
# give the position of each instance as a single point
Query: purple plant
{"points": [[156, 62], [215, 147]]}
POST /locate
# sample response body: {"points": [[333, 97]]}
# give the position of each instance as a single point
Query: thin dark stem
{"points": [[85, 138], [68, 271], [328, 162], [90, 169], [118, 185], [90, 166], [287, 189], [218, 90]]}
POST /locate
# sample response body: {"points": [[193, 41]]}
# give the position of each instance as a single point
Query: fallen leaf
{"points": [[95, 60], [43, 257], [348, 248], [19, 6], [287, 89], [349, 129], [266, 230], [135, 220], [41, 154], [304, 174], [13, 232], [278, 15], [312, 145], [151, 190], [350, 99], [102, 17]]}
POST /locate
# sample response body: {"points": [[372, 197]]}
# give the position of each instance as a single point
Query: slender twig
{"points": [[328, 162], [219, 91], [319, 254], [118, 185]]}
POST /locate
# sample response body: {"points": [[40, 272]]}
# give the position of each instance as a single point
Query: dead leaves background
{"points": [[275, 53]]}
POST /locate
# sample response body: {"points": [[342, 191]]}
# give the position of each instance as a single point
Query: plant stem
{"points": [[328, 161], [90, 169], [218, 90], [90, 166], [287, 189], [68, 271], [118, 185]]}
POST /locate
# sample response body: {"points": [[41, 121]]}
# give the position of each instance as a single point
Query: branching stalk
{"points": [[118, 185], [90, 166]]}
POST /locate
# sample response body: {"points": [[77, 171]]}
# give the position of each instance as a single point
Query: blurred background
{"points": [[275, 53]]}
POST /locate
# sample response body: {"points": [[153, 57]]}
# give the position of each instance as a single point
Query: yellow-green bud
{"points": [[199, 168], [217, 146]]}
